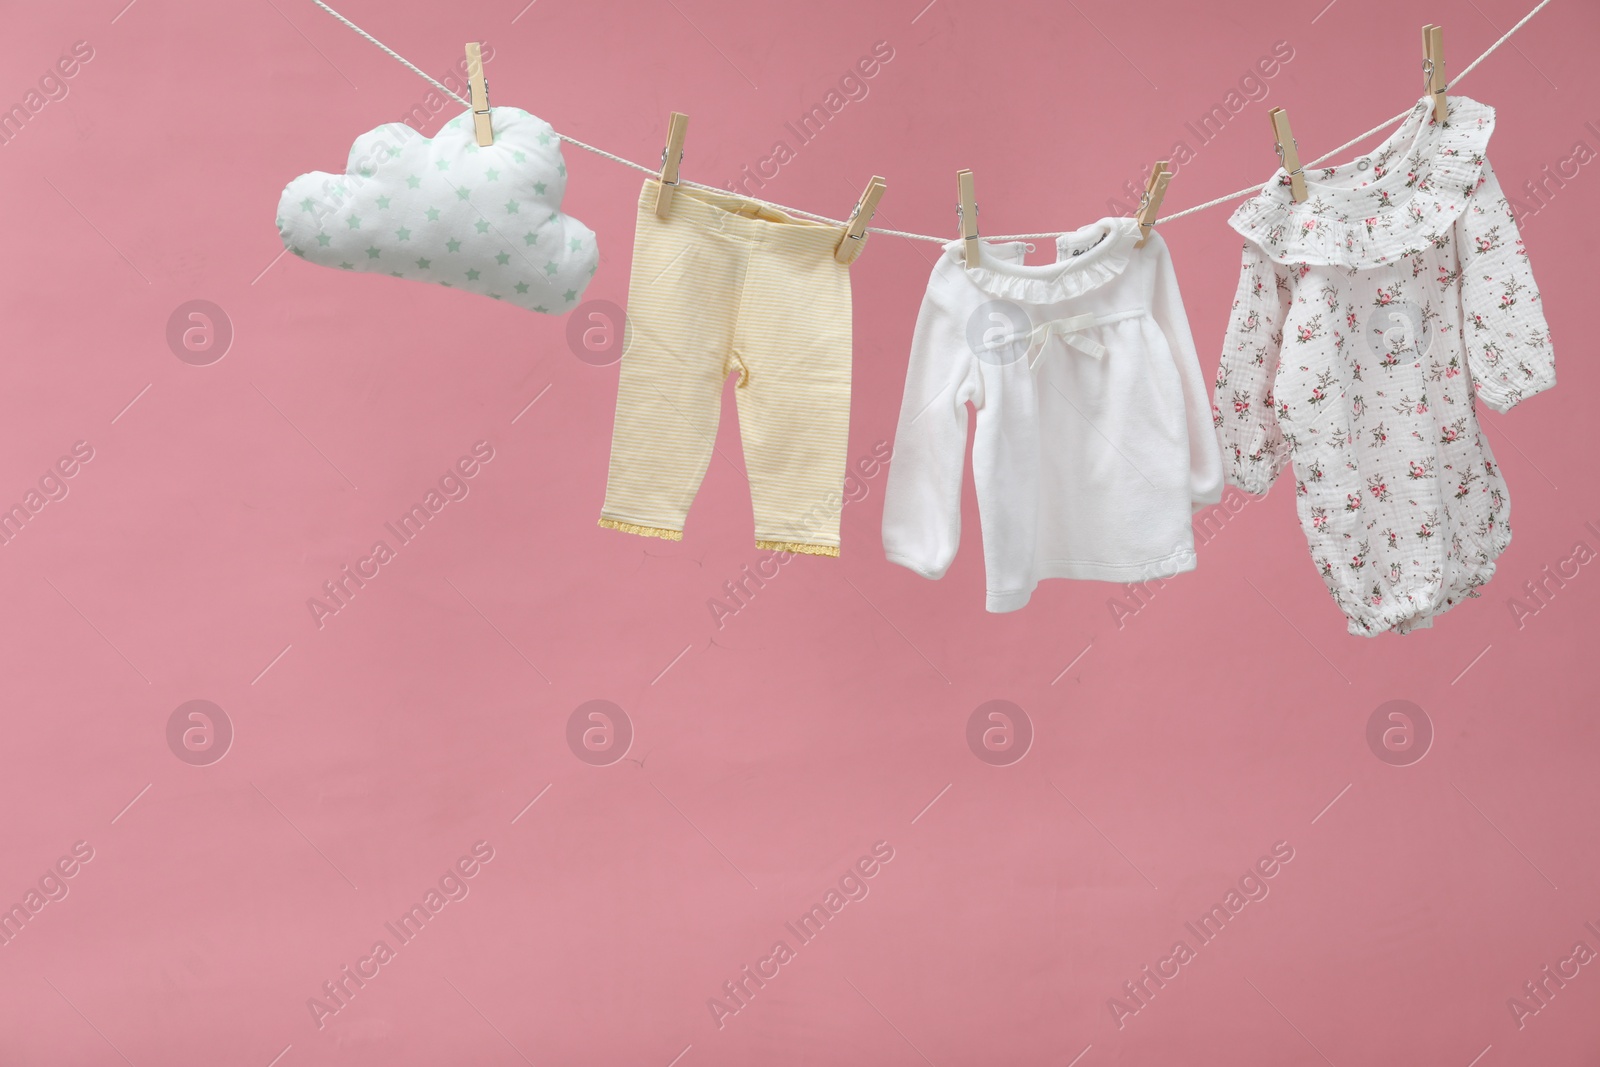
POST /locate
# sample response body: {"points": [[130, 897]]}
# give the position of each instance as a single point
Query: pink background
{"points": [[1169, 754]]}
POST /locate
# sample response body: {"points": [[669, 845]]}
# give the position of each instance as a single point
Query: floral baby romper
{"points": [[1368, 317]]}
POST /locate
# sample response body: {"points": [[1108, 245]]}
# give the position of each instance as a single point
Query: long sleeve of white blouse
{"points": [[922, 501], [1205, 457]]}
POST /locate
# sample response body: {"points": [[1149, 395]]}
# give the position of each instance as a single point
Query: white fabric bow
{"points": [[1070, 329]]}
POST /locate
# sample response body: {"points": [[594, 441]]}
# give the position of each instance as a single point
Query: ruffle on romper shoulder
{"points": [[1398, 200]]}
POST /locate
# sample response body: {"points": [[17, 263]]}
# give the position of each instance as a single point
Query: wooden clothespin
{"points": [[479, 89], [1288, 153], [856, 230], [1150, 203], [671, 157], [967, 210], [1433, 68]]}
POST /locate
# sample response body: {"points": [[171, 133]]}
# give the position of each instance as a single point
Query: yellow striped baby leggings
{"points": [[725, 285]]}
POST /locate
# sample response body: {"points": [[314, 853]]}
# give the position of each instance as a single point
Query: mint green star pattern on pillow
{"points": [[444, 210]]}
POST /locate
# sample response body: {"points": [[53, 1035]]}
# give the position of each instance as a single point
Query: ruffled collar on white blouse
{"points": [[1397, 200], [1086, 259]]}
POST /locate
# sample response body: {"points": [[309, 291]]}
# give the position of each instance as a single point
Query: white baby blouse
{"points": [[1093, 445], [1367, 318]]}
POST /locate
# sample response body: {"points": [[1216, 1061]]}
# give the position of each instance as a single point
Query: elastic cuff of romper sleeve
{"points": [[1255, 479], [1503, 400]]}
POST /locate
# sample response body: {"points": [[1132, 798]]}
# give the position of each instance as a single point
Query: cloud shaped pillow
{"points": [[446, 211]]}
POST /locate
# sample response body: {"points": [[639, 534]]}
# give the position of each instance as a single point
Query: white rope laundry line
{"points": [[655, 171]]}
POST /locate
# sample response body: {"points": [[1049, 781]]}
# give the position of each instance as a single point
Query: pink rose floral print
{"points": [[1414, 246]]}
